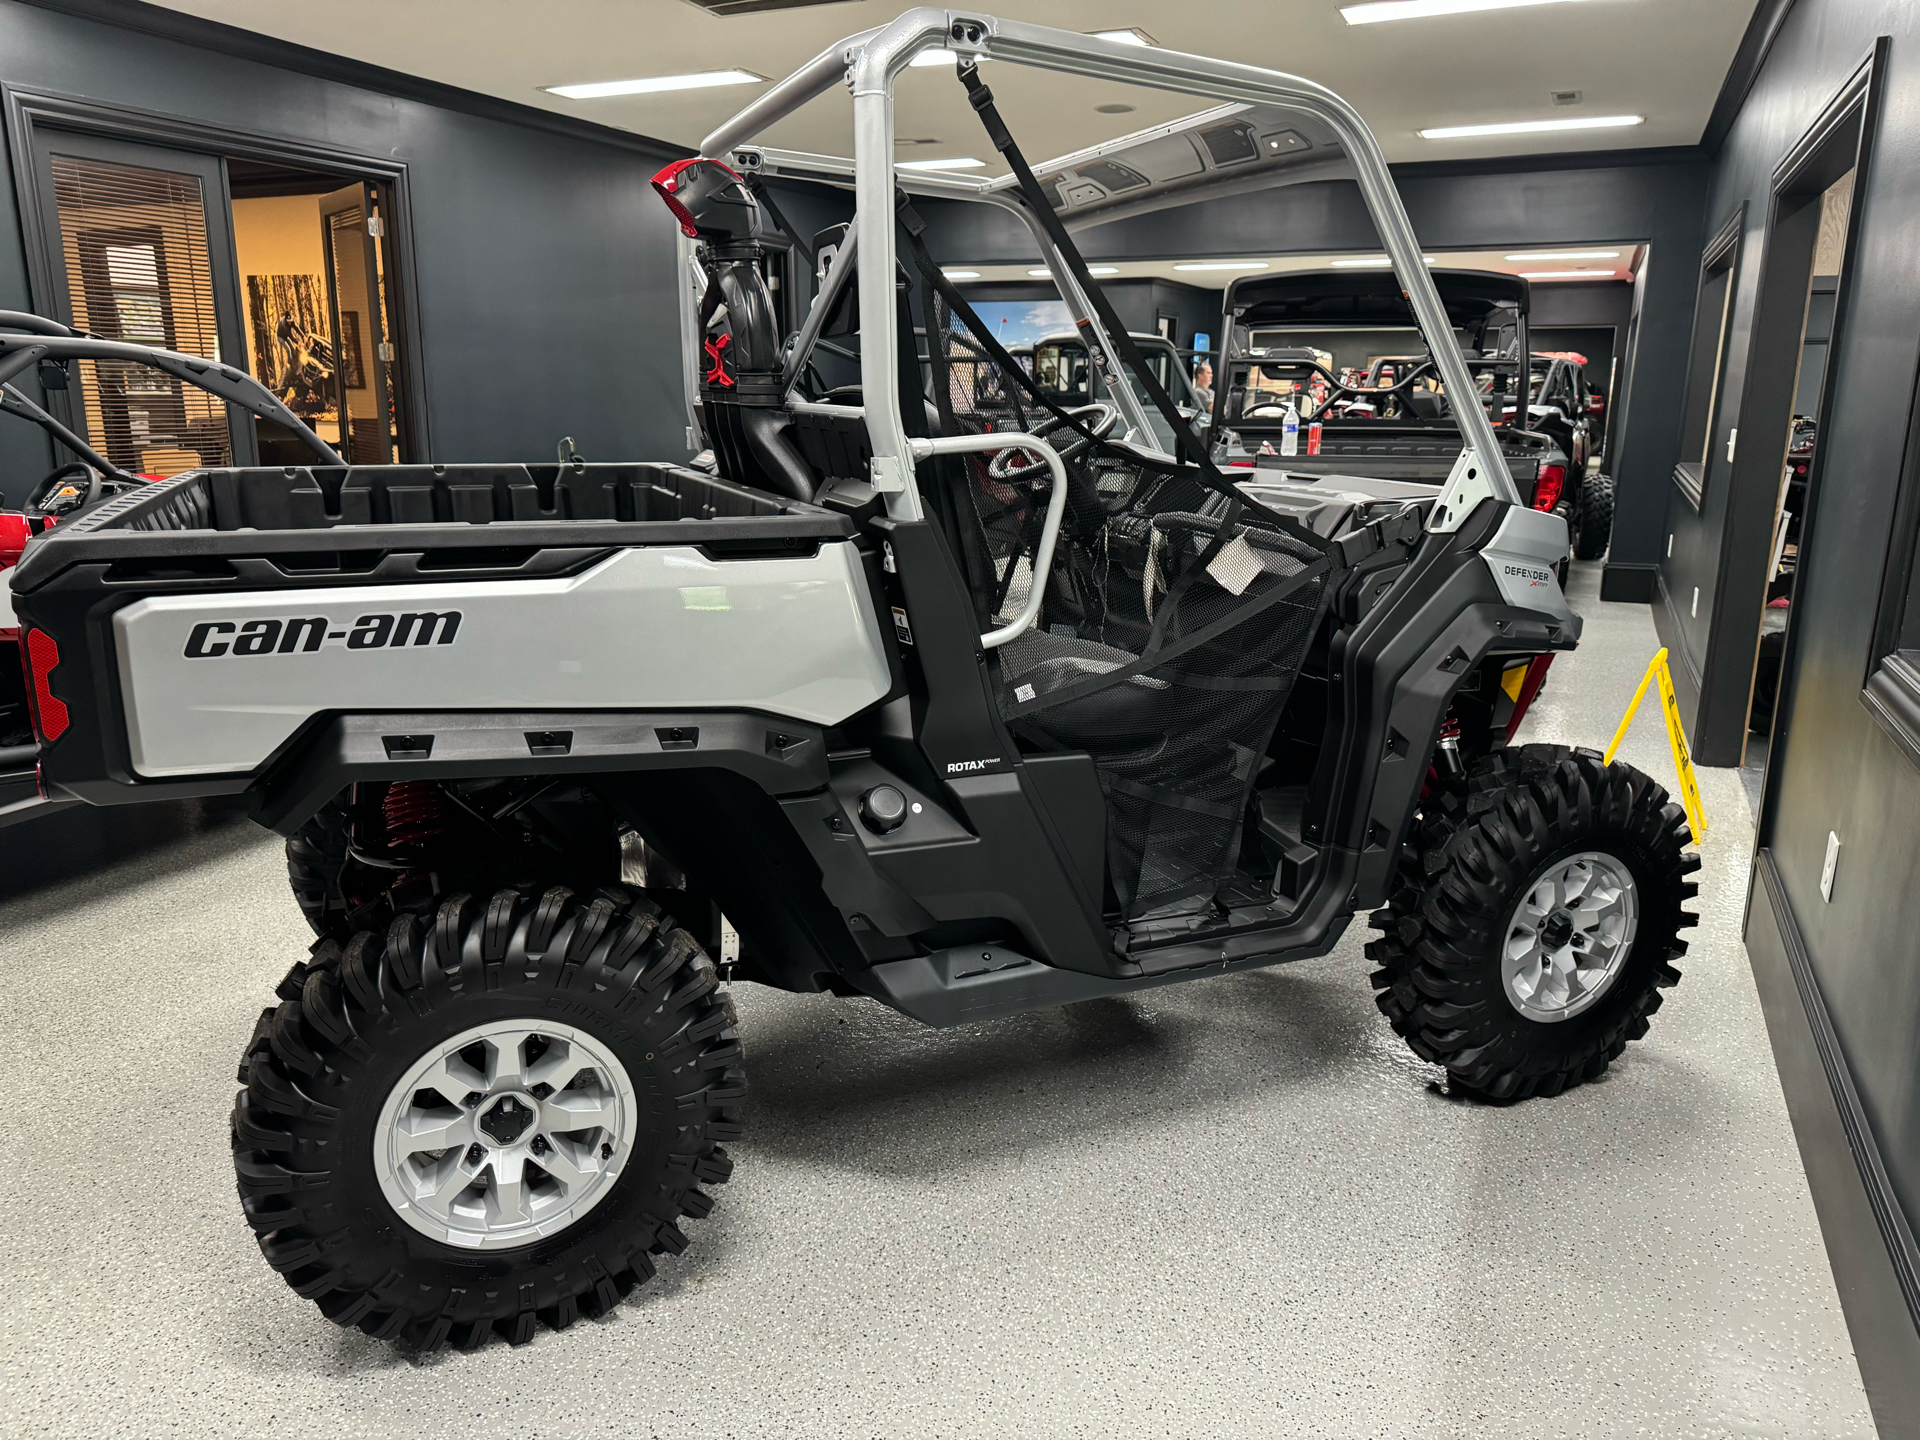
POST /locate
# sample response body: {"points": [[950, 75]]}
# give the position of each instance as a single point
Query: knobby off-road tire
{"points": [[315, 855], [1525, 815], [1594, 517], [636, 994]]}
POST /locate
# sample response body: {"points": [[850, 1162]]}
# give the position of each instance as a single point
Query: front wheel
{"points": [[489, 1118], [1594, 517], [1537, 921]]}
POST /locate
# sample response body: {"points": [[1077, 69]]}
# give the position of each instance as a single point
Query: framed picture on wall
{"points": [[292, 355]]}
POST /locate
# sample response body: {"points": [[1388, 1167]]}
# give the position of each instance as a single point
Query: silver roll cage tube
{"points": [[868, 64]]}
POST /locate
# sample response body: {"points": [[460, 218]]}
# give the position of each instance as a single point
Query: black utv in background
{"points": [[1342, 347]]}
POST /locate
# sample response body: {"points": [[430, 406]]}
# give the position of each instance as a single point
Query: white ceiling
{"points": [[1621, 267], [1664, 59]]}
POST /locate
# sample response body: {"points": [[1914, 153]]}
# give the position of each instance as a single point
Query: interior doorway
{"points": [[315, 285], [283, 269], [1791, 502]]}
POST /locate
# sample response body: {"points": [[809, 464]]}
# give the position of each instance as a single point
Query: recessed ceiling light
{"points": [[1565, 255], [962, 274], [1222, 265], [1370, 262], [1378, 10], [958, 162], [1530, 127], [1103, 270], [1567, 274], [1042, 274], [1124, 37], [655, 84]]}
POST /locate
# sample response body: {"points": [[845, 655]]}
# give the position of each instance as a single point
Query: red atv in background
{"points": [[32, 342]]}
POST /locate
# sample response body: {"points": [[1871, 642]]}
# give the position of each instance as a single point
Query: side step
{"points": [[986, 982], [1295, 860]]}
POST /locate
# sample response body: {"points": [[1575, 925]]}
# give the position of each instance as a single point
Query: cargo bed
{"points": [[411, 589]]}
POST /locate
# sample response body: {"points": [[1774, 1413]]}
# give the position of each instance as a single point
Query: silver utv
{"points": [[940, 694]]}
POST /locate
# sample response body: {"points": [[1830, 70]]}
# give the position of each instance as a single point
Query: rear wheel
{"points": [[489, 1119], [1537, 921], [1594, 517]]}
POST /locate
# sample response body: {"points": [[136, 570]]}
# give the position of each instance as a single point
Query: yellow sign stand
{"points": [[1677, 741]]}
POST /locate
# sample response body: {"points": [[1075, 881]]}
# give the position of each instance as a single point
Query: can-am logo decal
{"points": [[302, 635]]}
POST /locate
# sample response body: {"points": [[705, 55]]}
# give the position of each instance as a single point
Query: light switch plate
{"points": [[1828, 865]]}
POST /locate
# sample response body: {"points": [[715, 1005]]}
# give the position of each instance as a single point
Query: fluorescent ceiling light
{"points": [[962, 274], [1103, 270], [1124, 37], [958, 162], [655, 84], [1042, 274], [1370, 262], [1378, 10], [1566, 255], [1222, 265], [1567, 274], [1531, 127]]}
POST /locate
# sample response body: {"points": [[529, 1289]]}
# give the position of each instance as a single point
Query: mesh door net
{"points": [[1174, 620]]}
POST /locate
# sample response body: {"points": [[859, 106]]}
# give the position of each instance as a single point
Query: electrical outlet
{"points": [[1828, 865], [1694, 606]]}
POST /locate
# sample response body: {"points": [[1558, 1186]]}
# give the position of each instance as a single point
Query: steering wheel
{"points": [[1336, 390], [1099, 419], [66, 489]]}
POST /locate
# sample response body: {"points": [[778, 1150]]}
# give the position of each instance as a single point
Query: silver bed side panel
{"points": [[659, 627]]}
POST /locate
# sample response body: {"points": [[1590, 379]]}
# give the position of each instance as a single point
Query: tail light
{"points": [[1549, 482], [49, 711]]}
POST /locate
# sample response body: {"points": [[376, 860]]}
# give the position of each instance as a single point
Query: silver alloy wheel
{"points": [[505, 1133], [1568, 939]]}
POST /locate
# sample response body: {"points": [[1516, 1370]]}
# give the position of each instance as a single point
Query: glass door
{"points": [[141, 251]]}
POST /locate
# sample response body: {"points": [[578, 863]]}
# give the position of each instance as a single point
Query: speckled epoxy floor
{"points": [[1232, 1208]]}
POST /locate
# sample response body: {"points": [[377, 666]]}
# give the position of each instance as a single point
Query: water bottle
{"points": [[1290, 429]]}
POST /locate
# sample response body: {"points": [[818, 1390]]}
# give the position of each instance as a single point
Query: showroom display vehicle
{"points": [[1062, 370], [1390, 417], [940, 694]]}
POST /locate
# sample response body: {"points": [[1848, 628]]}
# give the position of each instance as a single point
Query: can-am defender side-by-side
{"points": [[940, 694], [1380, 412]]}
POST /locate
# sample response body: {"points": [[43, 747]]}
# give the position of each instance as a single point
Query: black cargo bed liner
{"points": [[427, 508]]}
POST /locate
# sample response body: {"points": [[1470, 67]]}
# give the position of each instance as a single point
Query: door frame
{"points": [[1786, 255], [30, 111]]}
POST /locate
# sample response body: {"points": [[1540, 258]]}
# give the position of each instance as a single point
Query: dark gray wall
{"points": [[543, 260], [1846, 966], [1652, 196]]}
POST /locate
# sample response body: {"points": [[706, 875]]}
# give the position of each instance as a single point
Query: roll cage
{"points": [[1309, 133]]}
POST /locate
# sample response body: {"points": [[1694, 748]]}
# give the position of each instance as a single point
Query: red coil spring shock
{"points": [[415, 812]]}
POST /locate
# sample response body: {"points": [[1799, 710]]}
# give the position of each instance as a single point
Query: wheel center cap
{"points": [[507, 1120], [1557, 931]]}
